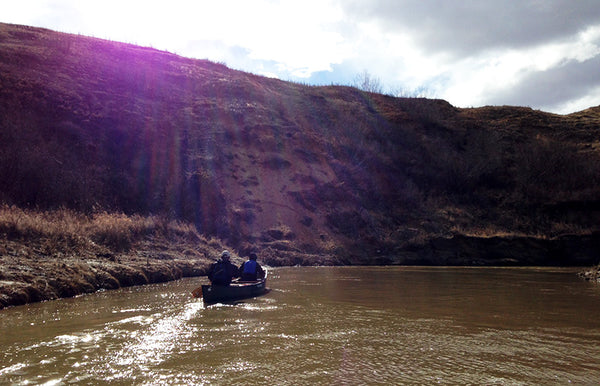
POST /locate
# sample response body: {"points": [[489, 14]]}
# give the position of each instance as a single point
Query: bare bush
{"points": [[367, 82]]}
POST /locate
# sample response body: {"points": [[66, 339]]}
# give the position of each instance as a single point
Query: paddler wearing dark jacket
{"points": [[222, 272], [251, 270]]}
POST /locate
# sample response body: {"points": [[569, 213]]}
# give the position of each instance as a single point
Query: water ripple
{"points": [[441, 327]]}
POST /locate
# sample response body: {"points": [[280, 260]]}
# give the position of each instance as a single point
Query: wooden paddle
{"points": [[197, 293]]}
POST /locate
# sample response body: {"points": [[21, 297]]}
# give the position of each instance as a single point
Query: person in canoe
{"points": [[251, 270], [223, 271]]}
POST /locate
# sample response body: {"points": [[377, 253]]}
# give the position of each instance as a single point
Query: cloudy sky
{"points": [[544, 54]]}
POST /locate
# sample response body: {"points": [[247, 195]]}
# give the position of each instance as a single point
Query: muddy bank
{"points": [[462, 250], [32, 271], [28, 275], [568, 250], [71, 277]]}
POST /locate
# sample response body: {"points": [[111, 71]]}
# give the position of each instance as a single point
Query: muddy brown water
{"points": [[367, 325]]}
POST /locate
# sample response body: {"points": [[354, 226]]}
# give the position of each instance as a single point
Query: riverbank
{"points": [[30, 272], [29, 275], [591, 274], [62, 253], [47, 255], [57, 254]]}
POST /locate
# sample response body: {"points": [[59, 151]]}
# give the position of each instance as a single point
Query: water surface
{"points": [[389, 325]]}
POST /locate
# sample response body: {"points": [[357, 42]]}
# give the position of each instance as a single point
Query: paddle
{"points": [[197, 293]]}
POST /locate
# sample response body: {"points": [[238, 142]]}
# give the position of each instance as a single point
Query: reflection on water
{"points": [[319, 326]]}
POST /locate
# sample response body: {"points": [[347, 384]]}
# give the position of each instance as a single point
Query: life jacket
{"points": [[250, 267]]}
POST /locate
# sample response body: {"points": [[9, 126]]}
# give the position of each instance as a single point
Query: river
{"points": [[350, 325]]}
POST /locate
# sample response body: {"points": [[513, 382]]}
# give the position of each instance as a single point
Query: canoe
{"points": [[237, 290]]}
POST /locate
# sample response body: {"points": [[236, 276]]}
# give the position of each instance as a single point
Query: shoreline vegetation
{"points": [[52, 254], [46, 255]]}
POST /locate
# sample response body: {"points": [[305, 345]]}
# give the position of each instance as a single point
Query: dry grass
{"points": [[115, 231]]}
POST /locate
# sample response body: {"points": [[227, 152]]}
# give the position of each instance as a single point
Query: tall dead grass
{"points": [[116, 231]]}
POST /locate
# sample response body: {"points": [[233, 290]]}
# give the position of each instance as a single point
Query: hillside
{"points": [[304, 174]]}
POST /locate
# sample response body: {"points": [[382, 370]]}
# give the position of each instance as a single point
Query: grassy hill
{"points": [[303, 174]]}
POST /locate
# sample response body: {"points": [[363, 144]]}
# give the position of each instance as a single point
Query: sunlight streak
{"points": [[162, 338]]}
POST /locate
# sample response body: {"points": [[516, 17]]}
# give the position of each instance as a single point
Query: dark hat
{"points": [[253, 256]]}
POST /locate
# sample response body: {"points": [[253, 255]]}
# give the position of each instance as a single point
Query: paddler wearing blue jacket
{"points": [[251, 270]]}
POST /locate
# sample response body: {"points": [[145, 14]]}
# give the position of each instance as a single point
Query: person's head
{"points": [[225, 255], [253, 256]]}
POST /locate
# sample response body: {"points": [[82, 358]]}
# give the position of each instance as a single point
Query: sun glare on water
{"points": [[157, 344]]}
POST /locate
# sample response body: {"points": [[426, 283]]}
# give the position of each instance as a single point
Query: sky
{"points": [[543, 54]]}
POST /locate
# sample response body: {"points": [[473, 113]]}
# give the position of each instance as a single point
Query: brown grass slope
{"points": [[306, 175]]}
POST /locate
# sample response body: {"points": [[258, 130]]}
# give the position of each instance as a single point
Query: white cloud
{"points": [[590, 99]]}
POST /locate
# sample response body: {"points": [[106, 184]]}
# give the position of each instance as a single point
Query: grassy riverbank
{"points": [[61, 253]]}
